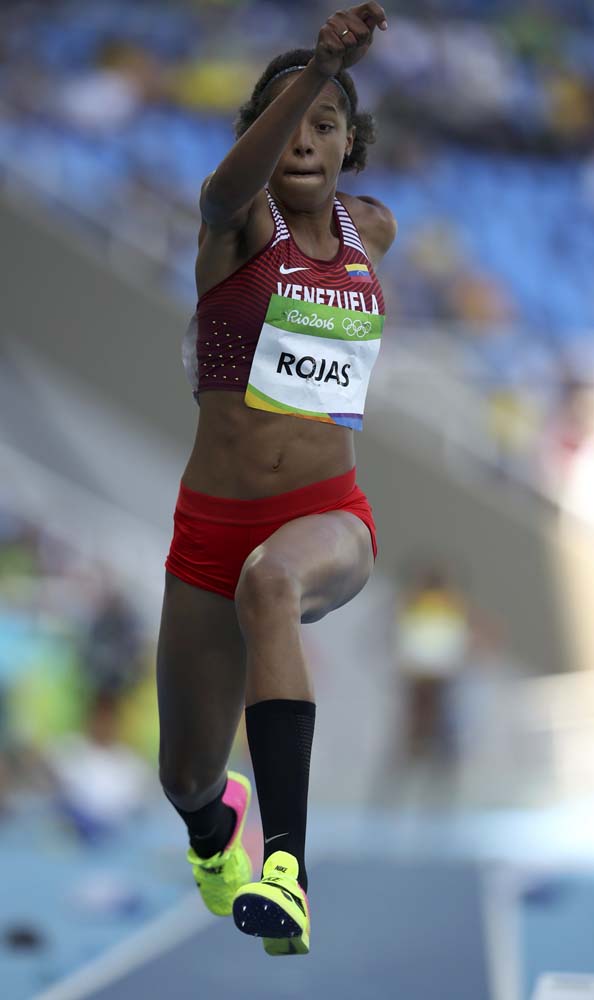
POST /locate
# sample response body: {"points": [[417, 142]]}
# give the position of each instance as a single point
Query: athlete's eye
{"points": [[325, 125]]}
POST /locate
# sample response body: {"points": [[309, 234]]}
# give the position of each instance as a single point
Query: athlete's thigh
{"points": [[329, 554], [200, 673]]}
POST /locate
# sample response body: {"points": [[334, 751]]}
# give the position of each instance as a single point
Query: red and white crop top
{"points": [[219, 345]]}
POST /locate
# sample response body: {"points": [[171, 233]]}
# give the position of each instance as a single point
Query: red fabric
{"points": [[230, 315], [213, 536]]}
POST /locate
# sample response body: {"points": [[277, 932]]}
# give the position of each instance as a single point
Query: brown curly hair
{"points": [[363, 121]]}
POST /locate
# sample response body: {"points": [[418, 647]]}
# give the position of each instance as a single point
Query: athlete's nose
{"points": [[302, 144]]}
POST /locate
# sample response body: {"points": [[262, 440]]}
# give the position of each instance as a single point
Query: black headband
{"points": [[331, 79]]}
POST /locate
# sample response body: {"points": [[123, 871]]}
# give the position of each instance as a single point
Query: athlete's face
{"points": [[308, 169]]}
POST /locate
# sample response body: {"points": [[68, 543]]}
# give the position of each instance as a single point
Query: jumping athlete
{"points": [[271, 529]]}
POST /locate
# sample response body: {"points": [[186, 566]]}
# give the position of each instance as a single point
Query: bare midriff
{"points": [[244, 453]]}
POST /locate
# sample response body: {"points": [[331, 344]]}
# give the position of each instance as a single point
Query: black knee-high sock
{"points": [[210, 827], [280, 735]]}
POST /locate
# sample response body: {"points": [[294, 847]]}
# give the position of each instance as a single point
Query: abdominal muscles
{"points": [[245, 453]]}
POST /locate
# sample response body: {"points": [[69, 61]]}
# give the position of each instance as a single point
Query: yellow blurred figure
{"points": [[514, 422], [571, 105], [215, 85], [432, 642]]}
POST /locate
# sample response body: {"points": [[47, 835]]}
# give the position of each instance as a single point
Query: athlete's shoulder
{"points": [[374, 220]]}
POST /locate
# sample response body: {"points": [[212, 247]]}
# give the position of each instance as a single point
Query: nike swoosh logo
{"points": [[289, 270], [204, 836], [276, 836]]}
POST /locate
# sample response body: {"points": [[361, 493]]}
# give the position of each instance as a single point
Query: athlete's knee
{"points": [[266, 586], [190, 785]]}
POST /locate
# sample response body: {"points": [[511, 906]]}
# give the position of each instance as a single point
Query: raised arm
{"points": [[251, 161]]}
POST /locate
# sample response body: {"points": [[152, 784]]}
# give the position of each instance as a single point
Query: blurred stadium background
{"points": [[469, 657]]}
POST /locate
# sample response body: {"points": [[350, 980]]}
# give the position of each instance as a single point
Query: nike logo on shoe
{"points": [[289, 270], [276, 836]]}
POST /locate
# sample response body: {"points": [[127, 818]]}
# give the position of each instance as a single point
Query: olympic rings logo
{"points": [[355, 328]]}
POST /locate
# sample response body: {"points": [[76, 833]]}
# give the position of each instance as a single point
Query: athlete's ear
{"points": [[350, 140]]}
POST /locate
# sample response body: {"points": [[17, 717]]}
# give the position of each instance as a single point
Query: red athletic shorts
{"points": [[213, 536]]}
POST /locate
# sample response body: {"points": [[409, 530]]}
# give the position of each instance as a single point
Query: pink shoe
{"points": [[220, 877]]}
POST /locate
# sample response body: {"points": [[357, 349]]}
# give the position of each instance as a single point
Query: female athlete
{"points": [[271, 529]]}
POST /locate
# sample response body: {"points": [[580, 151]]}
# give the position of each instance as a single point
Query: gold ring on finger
{"points": [[345, 32]]}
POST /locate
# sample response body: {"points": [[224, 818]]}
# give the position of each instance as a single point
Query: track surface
{"points": [[378, 931]]}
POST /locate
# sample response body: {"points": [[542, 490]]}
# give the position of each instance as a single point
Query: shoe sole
{"points": [[260, 917]]}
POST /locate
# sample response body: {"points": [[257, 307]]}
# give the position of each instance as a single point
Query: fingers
{"points": [[331, 41], [347, 35], [350, 30], [372, 14]]}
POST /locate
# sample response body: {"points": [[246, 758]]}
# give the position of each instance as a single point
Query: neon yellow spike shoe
{"points": [[219, 877], [276, 908]]}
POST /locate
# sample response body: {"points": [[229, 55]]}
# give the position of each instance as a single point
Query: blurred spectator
{"points": [[440, 281], [111, 650], [435, 256], [513, 420], [99, 783], [73, 655], [19, 557], [108, 94], [577, 488], [566, 441], [95, 101], [571, 107], [211, 85], [478, 299], [436, 631], [5, 751], [432, 638]]}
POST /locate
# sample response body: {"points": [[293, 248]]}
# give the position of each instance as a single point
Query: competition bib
{"points": [[314, 361]]}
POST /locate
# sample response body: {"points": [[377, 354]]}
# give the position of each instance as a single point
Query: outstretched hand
{"points": [[346, 37]]}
